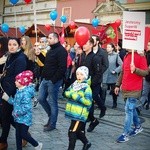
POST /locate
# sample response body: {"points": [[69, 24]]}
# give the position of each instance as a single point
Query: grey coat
{"points": [[115, 64]]}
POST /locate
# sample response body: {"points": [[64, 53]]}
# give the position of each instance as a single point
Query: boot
{"points": [[3, 146], [86, 146], [114, 104], [92, 125], [103, 112], [72, 140]]}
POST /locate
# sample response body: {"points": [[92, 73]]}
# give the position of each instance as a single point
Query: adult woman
{"points": [[111, 74], [15, 63], [28, 50]]}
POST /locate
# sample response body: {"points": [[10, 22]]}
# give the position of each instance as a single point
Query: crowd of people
{"points": [[85, 73]]}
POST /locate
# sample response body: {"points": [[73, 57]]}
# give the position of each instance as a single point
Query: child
{"points": [[79, 96], [22, 108]]}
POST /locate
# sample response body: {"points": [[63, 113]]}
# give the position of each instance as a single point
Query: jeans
{"points": [[48, 97], [131, 115], [22, 133]]}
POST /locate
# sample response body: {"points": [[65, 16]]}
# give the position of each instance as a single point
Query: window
{"points": [[66, 11]]}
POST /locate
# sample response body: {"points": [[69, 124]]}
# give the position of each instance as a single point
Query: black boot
{"points": [[103, 112], [86, 146], [92, 125], [72, 140], [114, 96]]}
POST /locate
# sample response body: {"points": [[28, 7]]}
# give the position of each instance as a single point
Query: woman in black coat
{"points": [[15, 64]]}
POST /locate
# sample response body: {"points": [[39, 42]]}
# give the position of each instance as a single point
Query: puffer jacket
{"points": [[22, 105], [79, 101]]}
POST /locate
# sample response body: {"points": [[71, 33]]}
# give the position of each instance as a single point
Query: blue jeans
{"points": [[131, 115], [48, 97]]}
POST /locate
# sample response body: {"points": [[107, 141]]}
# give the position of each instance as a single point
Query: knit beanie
{"points": [[84, 70], [25, 77]]}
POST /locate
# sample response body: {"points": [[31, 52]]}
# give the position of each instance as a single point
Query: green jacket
{"points": [[79, 101]]}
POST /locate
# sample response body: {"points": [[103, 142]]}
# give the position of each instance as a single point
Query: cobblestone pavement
{"points": [[102, 138]]}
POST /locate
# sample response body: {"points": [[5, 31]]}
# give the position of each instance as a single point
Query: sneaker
{"points": [[136, 131], [92, 125], [39, 147], [86, 146], [122, 138]]}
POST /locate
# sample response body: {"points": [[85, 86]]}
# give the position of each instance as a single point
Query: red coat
{"points": [[132, 81]]}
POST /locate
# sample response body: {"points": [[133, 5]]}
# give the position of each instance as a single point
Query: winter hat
{"points": [[84, 70], [25, 77]]}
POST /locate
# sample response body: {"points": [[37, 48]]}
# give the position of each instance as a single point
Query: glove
{"points": [[5, 96]]}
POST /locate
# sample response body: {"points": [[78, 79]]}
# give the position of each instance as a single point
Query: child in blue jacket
{"points": [[79, 96], [22, 108]]}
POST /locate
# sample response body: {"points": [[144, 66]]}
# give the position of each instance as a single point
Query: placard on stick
{"points": [[133, 30]]}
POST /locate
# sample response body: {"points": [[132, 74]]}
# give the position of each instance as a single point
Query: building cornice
{"points": [[137, 6]]}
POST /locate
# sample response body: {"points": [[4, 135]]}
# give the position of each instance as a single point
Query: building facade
{"points": [[106, 11]]}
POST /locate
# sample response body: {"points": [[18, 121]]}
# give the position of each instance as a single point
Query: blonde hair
{"points": [[28, 48]]}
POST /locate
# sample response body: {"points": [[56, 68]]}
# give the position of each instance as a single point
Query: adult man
{"points": [[44, 43], [53, 73], [102, 53], [130, 80], [94, 64]]}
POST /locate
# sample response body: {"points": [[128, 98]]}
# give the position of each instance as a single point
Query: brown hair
{"points": [[28, 49]]}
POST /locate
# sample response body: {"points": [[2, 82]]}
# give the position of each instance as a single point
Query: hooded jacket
{"points": [[22, 105], [79, 101]]}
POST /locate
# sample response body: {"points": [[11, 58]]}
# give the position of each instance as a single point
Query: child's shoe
{"points": [[39, 147], [136, 131], [86, 146], [122, 138]]}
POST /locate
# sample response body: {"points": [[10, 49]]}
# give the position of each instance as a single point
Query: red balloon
{"points": [[82, 35], [118, 22], [72, 25], [27, 1], [47, 26]]}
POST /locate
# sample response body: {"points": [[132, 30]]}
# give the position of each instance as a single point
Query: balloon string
{"points": [[35, 25], [15, 20]]}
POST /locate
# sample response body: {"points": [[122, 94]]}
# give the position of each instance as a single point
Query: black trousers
{"points": [[7, 120], [76, 131]]}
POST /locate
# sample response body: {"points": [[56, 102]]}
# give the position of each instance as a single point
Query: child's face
{"points": [[18, 85], [80, 76]]}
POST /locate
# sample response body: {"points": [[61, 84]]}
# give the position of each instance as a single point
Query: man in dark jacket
{"points": [[94, 64], [53, 73], [105, 63]]}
